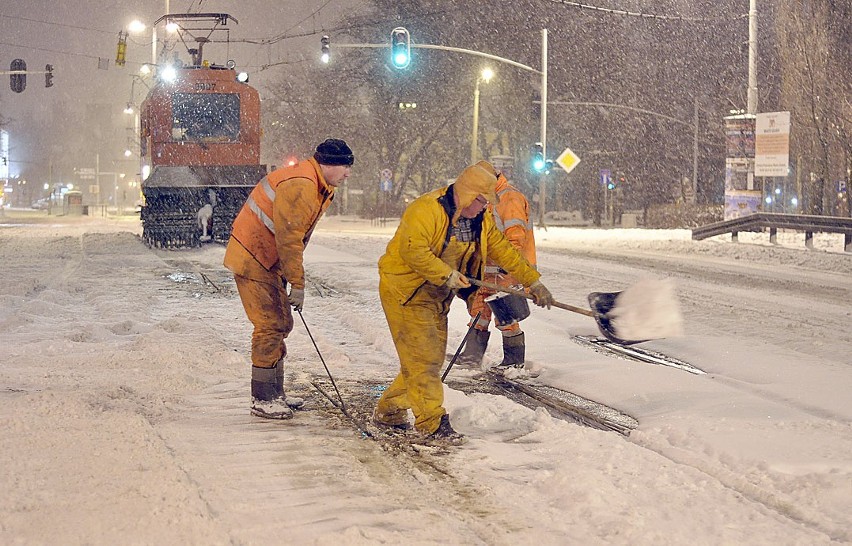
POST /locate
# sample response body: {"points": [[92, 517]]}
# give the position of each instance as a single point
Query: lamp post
{"points": [[485, 76], [542, 190]]}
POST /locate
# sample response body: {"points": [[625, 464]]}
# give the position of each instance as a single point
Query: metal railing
{"points": [[773, 221]]}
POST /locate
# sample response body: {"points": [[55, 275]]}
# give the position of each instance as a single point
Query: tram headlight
{"points": [[169, 74]]}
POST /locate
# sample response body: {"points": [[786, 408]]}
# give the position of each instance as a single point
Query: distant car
{"points": [[41, 204]]}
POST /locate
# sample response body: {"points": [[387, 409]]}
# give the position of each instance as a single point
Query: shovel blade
{"points": [[647, 310], [601, 303]]}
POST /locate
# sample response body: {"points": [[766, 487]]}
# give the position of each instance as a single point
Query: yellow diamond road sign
{"points": [[568, 160]]}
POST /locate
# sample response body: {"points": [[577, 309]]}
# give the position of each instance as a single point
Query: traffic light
{"points": [[548, 166], [18, 82], [400, 47], [616, 182], [48, 75], [326, 50], [539, 164]]}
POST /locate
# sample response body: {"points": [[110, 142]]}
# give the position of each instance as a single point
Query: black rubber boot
{"points": [[267, 394], [514, 351], [474, 349], [266, 383], [446, 434]]}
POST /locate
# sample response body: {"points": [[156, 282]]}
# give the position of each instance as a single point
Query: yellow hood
{"points": [[473, 182]]}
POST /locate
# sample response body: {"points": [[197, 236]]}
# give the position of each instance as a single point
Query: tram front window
{"points": [[208, 117]]}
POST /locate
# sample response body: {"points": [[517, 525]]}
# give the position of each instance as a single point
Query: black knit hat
{"points": [[334, 152]]}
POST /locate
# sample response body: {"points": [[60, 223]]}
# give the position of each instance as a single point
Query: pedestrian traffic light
{"points": [[48, 75], [325, 55], [400, 47], [18, 82], [538, 162]]}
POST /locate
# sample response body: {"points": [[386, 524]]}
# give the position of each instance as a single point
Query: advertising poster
{"points": [[741, 199], [772, 144], [741, 203], [739, 137]]}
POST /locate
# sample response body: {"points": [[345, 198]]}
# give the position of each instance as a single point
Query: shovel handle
{"points": [[498, 288]]}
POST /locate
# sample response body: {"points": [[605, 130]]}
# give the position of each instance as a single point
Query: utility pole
{"points": [[751, 107]]}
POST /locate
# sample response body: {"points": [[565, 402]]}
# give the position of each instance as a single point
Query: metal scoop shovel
{"points": [[625, 321]]}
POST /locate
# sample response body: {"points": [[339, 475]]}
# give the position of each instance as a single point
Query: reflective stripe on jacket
{"points": [[512, 217], [277, 220], [413, 254]]}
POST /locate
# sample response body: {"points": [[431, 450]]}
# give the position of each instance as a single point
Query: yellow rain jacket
{"points": [[412, 257], [412, 273]]}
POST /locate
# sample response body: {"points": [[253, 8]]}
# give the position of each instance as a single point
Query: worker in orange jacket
{"points": [[265, 253], [512, 217]]}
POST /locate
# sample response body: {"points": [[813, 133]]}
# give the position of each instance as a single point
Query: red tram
{"points": [[200, 137]]}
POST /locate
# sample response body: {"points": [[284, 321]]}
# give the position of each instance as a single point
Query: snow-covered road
{"points": [[124, 388]]}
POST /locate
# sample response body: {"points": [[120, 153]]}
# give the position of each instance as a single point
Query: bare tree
{"points": [[817, 85]]}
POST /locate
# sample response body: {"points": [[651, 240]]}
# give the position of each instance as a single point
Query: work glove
{"points": [[297, 298], [456, 281], [541, 295]]}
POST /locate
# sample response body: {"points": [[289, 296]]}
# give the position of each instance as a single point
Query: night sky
{"points": [[73, 35]]}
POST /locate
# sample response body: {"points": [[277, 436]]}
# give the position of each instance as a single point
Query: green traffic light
{"points": [[400, 59], [400, 47]]}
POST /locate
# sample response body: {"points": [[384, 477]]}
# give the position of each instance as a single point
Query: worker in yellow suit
{"points": [[512, 217], [443, 237]]}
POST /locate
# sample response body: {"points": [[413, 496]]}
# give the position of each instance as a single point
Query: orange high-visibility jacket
{"points": [[512, 217], [277, 221]]}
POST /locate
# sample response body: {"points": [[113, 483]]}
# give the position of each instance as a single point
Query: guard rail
{"points": [[809, 224]]}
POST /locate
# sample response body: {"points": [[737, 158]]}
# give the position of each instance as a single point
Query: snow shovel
{"points": [[645, 311]]}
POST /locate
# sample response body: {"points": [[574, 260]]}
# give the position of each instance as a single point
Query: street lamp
{"points": [[138, 27], [485, 76]]}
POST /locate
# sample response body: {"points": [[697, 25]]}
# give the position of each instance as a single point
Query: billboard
{"points": [[772, 144]]}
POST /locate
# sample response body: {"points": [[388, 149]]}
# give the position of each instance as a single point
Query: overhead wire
{"points": [[66, 25], [645, 15]]}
